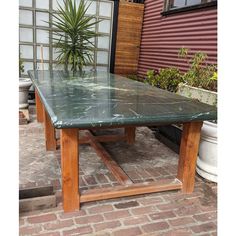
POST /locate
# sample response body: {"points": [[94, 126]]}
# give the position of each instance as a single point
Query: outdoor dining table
{"points": [[99, 100]]}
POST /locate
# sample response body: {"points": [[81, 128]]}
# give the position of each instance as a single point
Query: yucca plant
{"points": [[74, 32]]}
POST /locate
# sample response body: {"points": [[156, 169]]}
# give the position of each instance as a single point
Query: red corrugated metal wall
{"points": [[162, 36]]}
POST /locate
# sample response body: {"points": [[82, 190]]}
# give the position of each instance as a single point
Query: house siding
{"points": [[162, 36]]}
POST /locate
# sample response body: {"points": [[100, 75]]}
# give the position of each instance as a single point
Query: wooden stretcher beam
{"points": [[131, 190], [112, 166]]}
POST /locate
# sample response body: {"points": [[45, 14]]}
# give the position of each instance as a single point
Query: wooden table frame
{"points": [[69, 144]]}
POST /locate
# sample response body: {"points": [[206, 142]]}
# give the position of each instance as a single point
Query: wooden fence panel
{"points": [[128, 37]]}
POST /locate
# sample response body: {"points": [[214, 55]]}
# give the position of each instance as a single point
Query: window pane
{"points": [[103, 42], [26, 35], [44, 4], [193, 2], [92, 8], [55, 38], [45, 66], [102, 57], [104, 26], [102, 68], [27, 66], [26, 51], [55, 53], [105, 9], [45, 53], [56, 3], [41, 18], [26, 3], [26, 17], [42, 36]]}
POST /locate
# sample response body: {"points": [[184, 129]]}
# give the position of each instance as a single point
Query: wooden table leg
{"points": [[188, 155], [39, 108], [50, 135], [130, 134], [70, 169]]}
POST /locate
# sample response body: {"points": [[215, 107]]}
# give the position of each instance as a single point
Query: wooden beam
{"points": [[103, 139], [39, 107], [50, 135], [115, 169], [70, 169], [188, 155], [130, 135], [131, 190]]}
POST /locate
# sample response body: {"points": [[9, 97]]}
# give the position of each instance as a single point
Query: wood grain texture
{"points": [[128, 37], [131, 190], [188, 155], [113, 167], [39, 107], [49, 131], [70, 169], [103, 139], [130, 135]]}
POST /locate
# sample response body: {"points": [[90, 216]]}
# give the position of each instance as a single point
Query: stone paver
{"points": [[168, 213]]}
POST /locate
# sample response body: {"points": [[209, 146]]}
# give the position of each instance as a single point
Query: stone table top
{"points": [[101, 99]]}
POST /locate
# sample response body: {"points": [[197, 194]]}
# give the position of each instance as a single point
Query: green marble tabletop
{"points": [[97, 99]]}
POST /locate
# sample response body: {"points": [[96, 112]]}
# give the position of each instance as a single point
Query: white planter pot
{"points": [[202, 95], [24, 85], [207, 159]]}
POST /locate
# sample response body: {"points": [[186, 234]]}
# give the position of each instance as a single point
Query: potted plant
{"points": [[74, 35], [200, 82], [24, 85]]}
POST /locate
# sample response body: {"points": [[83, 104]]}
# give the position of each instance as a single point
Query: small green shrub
{"points": [[200, 73], [167, 78]]}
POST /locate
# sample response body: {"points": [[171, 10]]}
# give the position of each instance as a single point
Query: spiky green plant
{"points": [[74, 33]]}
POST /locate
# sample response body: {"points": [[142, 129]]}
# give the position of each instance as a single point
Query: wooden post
{"points": [[130, 134], [188, 155], [39, 107], [49, 130], [70, 169]]}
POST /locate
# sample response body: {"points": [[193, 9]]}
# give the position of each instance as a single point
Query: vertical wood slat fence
{"points": [[128, 37]]}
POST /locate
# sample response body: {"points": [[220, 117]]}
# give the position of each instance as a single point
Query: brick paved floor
{"points": [[169, 213]]}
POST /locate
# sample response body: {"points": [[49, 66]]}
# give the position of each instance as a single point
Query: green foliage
{"points": [[21, 66], [200, 73], [167, 78], [74, 34], [151, 78]]}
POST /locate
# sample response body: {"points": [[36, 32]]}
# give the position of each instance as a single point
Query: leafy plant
{"points": [[151, 77], [21, 66], [167, 78], [74, 34], [200, 73]]}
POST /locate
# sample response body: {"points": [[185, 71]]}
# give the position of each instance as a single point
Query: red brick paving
{"points": [[163, 214]]}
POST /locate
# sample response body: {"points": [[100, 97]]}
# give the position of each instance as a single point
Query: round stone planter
{"points": [[24, 85], [207, 159]]}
